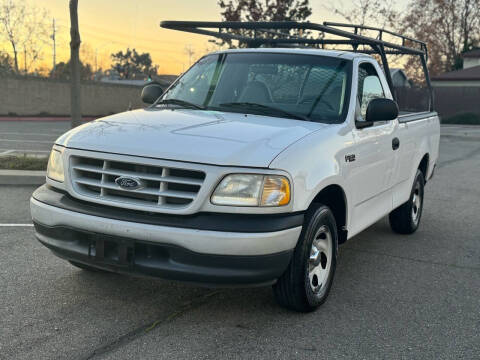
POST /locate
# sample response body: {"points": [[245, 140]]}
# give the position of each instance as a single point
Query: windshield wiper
{"points": [[181, 103], [265, 109]]}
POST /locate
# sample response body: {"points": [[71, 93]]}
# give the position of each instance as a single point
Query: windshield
{"points": [[308, 87]]}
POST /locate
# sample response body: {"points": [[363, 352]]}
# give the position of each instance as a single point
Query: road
{"points": [[394, 296], [30, 137]]}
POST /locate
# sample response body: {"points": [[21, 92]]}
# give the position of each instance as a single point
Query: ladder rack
{"points": [[252, 34]]}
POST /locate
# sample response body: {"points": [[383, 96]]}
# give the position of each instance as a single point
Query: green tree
{"points": [[63, 71], [264, 10], [131, 64], [6, 64]]}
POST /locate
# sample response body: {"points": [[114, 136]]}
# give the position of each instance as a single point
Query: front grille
{"points": [[162, 187]]}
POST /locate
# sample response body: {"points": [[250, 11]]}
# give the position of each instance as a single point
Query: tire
{"points": [[86, 267], [406, 218], [306, 283]]}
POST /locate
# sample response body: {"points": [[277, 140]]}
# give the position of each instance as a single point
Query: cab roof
{"points": [[305, 51]]}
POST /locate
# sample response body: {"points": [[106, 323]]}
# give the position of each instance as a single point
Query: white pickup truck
{"points": [[250, 169]]}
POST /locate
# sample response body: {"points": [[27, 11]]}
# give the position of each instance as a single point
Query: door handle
{"points": [[395, 143]]}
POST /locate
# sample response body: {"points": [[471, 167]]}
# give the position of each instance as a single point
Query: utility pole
{"points": [[54, 46]]}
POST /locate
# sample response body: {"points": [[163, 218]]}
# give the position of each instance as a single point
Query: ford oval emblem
{"points": [[129, 183]]}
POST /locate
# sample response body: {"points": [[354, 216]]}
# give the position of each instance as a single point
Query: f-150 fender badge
{"points": [[349, 157]]}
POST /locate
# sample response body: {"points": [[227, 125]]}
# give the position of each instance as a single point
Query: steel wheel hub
{"points": [[320, 259], [416, 203]]}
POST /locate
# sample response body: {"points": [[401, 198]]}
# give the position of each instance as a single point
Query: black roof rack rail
{"points": [[381, 31], [278, 33], [223, 31]]}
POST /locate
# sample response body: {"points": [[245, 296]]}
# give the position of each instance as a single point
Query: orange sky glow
{"points": [[107, 26]]}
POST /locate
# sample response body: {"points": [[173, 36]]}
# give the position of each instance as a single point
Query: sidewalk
{"points": [[22, 177]]}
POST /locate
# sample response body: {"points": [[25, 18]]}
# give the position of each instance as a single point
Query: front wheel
{"points": [[306, 283], [406, 218]]}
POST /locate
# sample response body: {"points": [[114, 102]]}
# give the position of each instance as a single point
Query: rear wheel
{"points": [[306, 283], [406, 218]]}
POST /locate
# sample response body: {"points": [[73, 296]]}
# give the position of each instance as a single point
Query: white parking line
{"points": [[14, 225], [28, 141], [32, 134], [8, 151]]}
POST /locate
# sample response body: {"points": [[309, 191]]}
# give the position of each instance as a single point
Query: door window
{"points": [[369, 87]]}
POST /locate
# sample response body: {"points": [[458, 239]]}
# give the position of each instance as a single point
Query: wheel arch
{"points": [[335, 198], [423, 166]]}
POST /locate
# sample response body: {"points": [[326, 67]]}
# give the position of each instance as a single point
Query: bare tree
{"points": [[449, 27], [25, 28], [470, 23], [75, 99], [367, 12]]}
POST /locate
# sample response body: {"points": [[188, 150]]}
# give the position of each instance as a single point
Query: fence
{"points": [[450, 101]]}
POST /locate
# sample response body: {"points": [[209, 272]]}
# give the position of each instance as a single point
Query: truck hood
{"points": [[209, 137]]}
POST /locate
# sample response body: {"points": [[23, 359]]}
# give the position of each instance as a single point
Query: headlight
{"points": [[252, 190], [55, 165]]}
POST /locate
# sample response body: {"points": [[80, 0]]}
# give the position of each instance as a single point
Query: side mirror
{"points": [[381, 110], [151, 92]]}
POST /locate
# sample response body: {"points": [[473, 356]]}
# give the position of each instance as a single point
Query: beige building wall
{"points": [[35, 96], [470, 62]]}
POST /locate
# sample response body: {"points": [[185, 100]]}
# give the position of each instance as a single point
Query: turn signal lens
{"points": [[276, 191]]}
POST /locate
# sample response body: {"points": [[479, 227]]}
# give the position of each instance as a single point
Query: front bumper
{"points": [[187, 250]]}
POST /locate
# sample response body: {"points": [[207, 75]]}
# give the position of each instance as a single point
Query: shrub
{"points": [[23, 163], [463, 119]]}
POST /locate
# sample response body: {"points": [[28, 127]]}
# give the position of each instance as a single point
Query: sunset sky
{"points": [[107, 26]]}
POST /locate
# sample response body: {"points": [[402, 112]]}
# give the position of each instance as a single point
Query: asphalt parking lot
{"points": [[394, 296], [30, 137]]}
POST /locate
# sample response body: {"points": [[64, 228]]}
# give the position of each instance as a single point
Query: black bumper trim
{"points": [[244, 223], [171, 262]]}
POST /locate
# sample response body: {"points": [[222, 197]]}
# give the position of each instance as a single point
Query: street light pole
{"points": [[96, 55], [54, 45]]}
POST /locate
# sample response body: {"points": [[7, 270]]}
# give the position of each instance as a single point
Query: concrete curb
{"points": [[22, 177]]}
